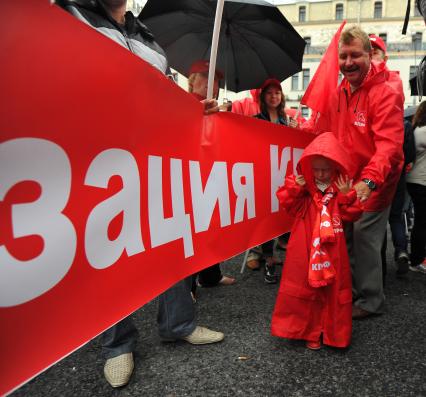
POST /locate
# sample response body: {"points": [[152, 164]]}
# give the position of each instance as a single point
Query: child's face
{"points": [[322, 169]]}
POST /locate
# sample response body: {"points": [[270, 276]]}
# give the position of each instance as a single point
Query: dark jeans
{"points": [[208, 277], [121, 338], [268, 249], [418, 234], [396, 220]]}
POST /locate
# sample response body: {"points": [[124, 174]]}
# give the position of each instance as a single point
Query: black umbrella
{"points": [[256, 41], [414, 86], [418, 82]]}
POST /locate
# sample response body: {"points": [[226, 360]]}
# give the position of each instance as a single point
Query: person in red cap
{"points": [[379, 54], [272, 103], [198, 79], [197, 86], [397, 227], [379, 48], [272, 109]]}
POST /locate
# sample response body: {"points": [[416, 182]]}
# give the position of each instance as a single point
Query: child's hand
{"points": [[344, 184], [300, 180]]}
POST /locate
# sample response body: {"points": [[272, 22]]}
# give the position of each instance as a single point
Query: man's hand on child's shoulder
{"points": [[300, 180], [344, 184]]}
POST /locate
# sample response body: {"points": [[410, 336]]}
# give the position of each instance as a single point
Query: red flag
{"points": [[325, 78]]}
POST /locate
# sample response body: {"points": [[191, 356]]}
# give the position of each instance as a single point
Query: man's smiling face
{"points": [[354, 61]]}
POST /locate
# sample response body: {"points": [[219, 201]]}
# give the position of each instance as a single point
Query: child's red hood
{"points": [[328, 146]]}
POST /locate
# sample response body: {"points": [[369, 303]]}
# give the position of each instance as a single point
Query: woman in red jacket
{"points": [[315, 295]]}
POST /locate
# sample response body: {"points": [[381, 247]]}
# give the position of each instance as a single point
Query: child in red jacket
{"points": [[315, 295]]}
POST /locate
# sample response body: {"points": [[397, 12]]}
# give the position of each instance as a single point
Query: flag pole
{"points": [[213, 52]]}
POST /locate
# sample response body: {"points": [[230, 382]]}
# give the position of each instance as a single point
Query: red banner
{"points": [[113, 185]]}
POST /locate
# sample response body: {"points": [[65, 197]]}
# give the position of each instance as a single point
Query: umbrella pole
{"points": [[213, 52]]}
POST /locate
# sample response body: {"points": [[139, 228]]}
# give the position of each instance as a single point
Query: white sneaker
{"points": [[118, 370], [419, 268], [203, 336]]}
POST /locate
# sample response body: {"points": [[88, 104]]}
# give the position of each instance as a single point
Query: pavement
{"points": [[387, 356]]}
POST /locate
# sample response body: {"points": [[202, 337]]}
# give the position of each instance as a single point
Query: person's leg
{"points": [[176, 311], [268, 249], [396, 223], [383, 256], [368, 235], [270, 276], [210, 276], [283, 241], [418, 233], [176, 317], [119, 339], [253, 258], [118, 344]]}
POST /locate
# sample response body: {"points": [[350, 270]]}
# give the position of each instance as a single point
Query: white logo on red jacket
{"points": [[336, 221], [360, 119]]}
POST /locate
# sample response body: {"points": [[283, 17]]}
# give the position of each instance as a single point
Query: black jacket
{"points": [[133, 35]]}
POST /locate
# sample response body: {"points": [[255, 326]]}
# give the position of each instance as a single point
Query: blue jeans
{"points": [[176, 318]]}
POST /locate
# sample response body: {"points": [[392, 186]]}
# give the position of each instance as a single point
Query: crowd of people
{"points": [[341, 201]]}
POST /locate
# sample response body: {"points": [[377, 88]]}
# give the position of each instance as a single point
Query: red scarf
{"points": [[321, 270]]}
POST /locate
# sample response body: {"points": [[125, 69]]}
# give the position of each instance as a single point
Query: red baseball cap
{"points": [[202, 66], [269, 82], [377, 42]]}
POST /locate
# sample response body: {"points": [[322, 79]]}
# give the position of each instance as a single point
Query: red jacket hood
{"points": [[328, 146]]}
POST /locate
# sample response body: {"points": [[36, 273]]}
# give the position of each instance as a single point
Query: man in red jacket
{"points": [[395, 218], [379, 55], [366, 115]]}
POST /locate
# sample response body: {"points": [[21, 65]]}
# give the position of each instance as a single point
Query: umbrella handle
{"points": [[213, 52]]}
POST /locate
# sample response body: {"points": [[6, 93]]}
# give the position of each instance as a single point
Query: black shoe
{"points": [[402, 263], [270, 276]]}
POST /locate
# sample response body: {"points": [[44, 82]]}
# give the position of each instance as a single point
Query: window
{"points": [[417, 41], [378, 9], [384, 37], [339, 12], [295, 82], [305, 112], [413, 71], [305, 73], [308, 44], [302, 14]]}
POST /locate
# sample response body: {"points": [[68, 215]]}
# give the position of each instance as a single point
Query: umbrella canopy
{"points": [[414, 86], [256, 41]]}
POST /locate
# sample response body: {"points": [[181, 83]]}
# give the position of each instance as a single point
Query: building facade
{"points": [[318, 20]]}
